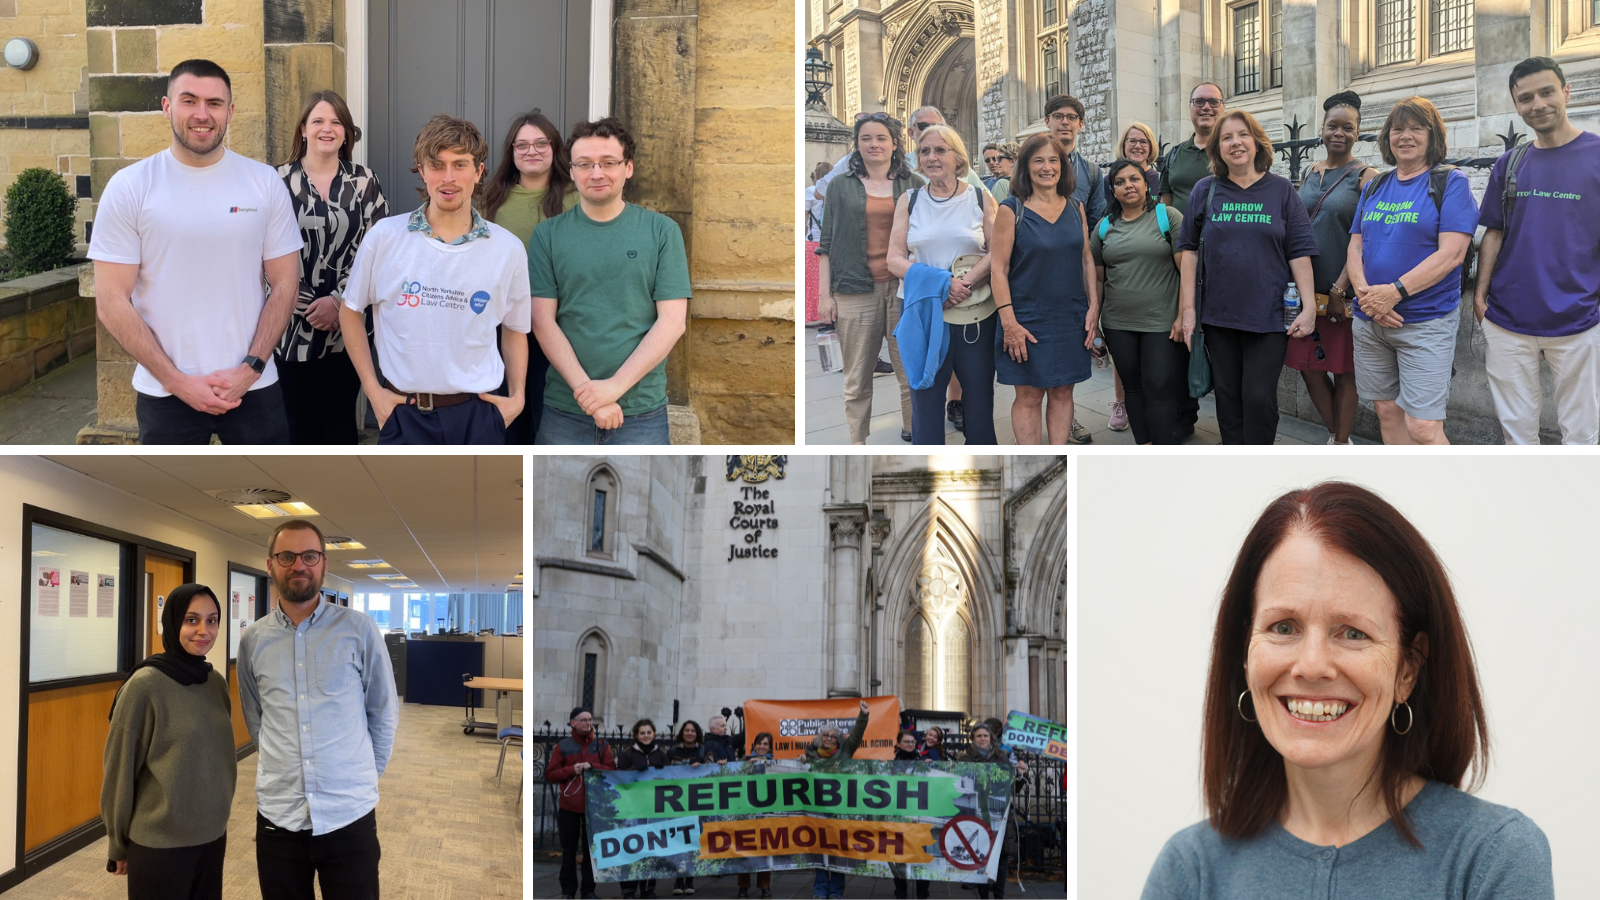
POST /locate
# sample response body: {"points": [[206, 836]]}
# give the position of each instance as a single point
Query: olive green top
{"points": [[522, 211]]}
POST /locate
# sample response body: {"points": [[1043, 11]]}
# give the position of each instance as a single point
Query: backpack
{"points": [[1161, 221], [1508, 195], [1438, 177]]}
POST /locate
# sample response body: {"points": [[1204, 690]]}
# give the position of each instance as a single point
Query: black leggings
{"points": [[176, 873], [1155, 382], [1244, 368]]}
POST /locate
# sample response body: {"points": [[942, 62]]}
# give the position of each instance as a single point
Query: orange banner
{"points": [[899, 842], [794, 723]]}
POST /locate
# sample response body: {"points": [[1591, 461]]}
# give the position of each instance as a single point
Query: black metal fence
{"points": [[1041, 809]]}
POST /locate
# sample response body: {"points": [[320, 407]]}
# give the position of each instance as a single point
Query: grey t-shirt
{"points": [[1471, 850], [1141, 279]]}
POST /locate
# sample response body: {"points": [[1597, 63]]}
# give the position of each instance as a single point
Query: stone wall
{"points": [[43, 121], [990, 39], [43, 324], [1093, 36]]}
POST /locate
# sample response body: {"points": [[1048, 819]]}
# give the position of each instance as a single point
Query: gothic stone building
{"points": [[712, 580]]}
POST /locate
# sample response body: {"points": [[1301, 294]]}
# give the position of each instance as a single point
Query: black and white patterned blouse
{"points": [[332, 228]]}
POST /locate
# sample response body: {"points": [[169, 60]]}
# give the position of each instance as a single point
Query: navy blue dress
{"points": [[1049, 299]]}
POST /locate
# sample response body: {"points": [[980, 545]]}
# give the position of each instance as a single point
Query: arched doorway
{"points": [[952, 86]]}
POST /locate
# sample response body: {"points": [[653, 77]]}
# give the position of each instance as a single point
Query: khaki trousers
{"points": [[862, 322]]}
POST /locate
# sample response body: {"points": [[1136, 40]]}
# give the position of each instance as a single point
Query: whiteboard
{"points": [[241, 608], [74, 605]]}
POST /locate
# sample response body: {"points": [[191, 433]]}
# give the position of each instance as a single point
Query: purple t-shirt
{"points": [[1546, 281], [1400, 227], [1251, 234]]}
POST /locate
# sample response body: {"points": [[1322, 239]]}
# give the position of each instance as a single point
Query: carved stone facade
{"points": [[882, 570]]}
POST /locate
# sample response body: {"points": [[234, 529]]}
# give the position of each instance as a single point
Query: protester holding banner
{"points": [[933, 744], [828, 747], [690, 751], [905, 750], [645, 753], [573, 756], [720, 747], [986, 749], [760, 749]]}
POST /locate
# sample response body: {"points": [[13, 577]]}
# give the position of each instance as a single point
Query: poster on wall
{"points": [[48, 590], [105, 598], [78, 595]]}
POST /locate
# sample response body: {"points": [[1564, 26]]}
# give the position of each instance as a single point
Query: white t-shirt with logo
{"points": [[198, 236], [436, 305]]}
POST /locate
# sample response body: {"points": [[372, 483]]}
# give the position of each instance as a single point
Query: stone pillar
{"points": [[1505, 33], [1180, 65], [1033, 682], [305, 52], [845, 530], [1090, 75], [1015, 692], [995, 40], [1309, 78], [1133, 66], [862, 60]]}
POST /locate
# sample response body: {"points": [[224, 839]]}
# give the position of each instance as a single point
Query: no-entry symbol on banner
{"points": [[966, 843]]}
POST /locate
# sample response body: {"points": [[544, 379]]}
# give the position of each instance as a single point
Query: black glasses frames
{"points": [[311, 558]]}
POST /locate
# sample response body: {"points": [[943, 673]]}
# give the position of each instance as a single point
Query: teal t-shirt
{"points": [[606, 278]]}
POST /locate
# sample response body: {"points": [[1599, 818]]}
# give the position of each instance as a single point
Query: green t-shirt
{"points": [[1189, 165], [522, 211], [606, 278], [1141, 279]]}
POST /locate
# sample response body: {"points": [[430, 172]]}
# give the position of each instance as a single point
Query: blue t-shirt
{"points": [[1251, 234], [1400, 227], [1546, 281]]}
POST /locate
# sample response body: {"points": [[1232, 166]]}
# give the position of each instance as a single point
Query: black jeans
{"points": [[176, 873], [1244, 370], [258, 419], [319, 399], [973, 363], [574, 830], [1155, 381], [344, 863]]}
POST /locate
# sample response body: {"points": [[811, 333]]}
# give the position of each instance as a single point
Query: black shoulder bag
{"points": [[1199, 361]]}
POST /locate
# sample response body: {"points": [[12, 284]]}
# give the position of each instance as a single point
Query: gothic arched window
{"points": [[600, 507], [919, 665]]}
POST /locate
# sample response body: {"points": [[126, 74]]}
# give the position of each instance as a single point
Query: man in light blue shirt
{"points": [[318, 697]]}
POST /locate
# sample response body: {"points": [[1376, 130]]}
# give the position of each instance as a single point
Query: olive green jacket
{"points": [[844, 232]]}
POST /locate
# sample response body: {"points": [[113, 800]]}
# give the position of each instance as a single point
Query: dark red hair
{"points": [[1245, 784]]}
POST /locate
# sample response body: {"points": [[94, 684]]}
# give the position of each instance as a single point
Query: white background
{"points": [[1519, 536]]}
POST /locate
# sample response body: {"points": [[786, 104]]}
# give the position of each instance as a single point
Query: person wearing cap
{"points": [[573, 756]]}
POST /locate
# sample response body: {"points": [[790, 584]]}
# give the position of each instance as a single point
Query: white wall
{"points": [[30, 480], [1518, 536]]}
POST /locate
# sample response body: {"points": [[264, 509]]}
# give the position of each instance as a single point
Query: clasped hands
{"points": [[216, 393], [960, 292], [1378, 302], [598, 397]]}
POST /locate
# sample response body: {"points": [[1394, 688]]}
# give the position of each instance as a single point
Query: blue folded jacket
{"points": [[922, 334]]}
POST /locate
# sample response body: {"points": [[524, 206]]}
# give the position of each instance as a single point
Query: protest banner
{"points": [[1042, 736], [793, 724], [914, 818]]}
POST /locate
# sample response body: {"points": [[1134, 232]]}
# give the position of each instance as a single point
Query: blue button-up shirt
{"points": [[320, 703]]}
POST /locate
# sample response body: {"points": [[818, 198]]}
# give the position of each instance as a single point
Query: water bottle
{"points": [[828, 353], [1291, 305], [1102, 359]]}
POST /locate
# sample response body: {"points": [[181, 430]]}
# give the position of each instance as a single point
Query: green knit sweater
{"points": [[170, 766]]}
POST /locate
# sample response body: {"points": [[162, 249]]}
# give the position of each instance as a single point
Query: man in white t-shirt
{"points": [[181, 242], [439, 281]]}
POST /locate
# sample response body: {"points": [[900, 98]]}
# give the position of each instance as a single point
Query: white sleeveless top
{"points": [[941, 231]]}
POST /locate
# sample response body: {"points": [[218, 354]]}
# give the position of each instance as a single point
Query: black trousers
{"points": [[176, 873], [901, 885], [258, 419], [319, 399], [574, 830], [1244, 371], [1155, 382], [972, 361], [476, 421], [525, 427], [344, 863]]}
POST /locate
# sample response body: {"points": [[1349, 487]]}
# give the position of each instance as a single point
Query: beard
{"points": [[289, 594], [191, 144]]}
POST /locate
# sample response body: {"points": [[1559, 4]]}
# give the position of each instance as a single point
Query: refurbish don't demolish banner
{"points": [[1042, 736], [918, 819]]}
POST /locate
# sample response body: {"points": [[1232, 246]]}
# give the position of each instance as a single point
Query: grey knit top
{"points": [[169, 765], [1471, 850]]}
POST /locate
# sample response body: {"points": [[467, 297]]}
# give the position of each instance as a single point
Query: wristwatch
{"points": [[1404, 294], [256, 363]]}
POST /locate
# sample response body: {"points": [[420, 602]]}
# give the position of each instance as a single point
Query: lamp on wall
{"points": [[21, 53], [819, 78]]}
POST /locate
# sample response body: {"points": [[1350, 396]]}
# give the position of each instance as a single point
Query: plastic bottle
{"points": [[1102, 358], [828, 353], [1291, 305]]}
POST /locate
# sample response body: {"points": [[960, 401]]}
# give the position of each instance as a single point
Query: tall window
{"points": [[1247, 48], [591, 662], [1050, 14], [1052, 72], [919, 665], [591, 674], [1449, 26], [597, 527], [1397, 21], [956, 681], [601, 508], [1275, 38], [1054, 29]]}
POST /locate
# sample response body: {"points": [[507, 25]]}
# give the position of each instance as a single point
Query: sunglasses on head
{"points": [[1316, 338], [878, 117]]}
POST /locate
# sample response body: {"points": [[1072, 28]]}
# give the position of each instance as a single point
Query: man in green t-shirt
{"points": [[1187, 163], [610, 285]]}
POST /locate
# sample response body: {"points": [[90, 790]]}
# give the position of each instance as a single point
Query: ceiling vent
{"points": [[247, 496]]}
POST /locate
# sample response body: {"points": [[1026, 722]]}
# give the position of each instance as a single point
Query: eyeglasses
{"points": [[606, 165], [1060, 118], [1205, 101], [531, 147], [936, 151], [311, 558]]}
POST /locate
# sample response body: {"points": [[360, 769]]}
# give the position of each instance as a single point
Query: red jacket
{"points": [[560, 768]]}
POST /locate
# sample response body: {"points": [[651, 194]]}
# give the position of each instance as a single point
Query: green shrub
{"points": [[40, 213]]}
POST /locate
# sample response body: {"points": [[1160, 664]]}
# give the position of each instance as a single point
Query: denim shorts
{"points": [[560, 427]]}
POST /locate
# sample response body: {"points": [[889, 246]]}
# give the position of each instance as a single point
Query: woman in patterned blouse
{"points": [[336, 202], [531, 184]]}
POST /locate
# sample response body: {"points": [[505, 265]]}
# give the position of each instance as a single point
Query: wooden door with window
{"points": [[162, 574]]}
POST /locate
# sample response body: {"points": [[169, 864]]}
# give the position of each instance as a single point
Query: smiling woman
{"points": [[1342, 716]]}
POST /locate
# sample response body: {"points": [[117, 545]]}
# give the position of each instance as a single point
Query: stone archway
{"points": [[952, 86]]}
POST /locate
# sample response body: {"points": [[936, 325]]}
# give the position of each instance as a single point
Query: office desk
{"points": [[503, 688]]}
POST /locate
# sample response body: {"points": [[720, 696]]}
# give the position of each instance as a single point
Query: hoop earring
{"points": [[1240, 705], [1410, 719]]}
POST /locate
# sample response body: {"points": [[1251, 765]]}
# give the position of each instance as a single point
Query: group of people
{"points": [[260, 304], [585, 749], [1204, 270], [317, 694]]}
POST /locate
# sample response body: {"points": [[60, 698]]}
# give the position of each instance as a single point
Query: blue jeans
{"points": [[561, 427], [972, 361], [828, 884]]}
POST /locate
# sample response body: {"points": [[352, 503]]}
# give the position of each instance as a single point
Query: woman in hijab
{"points": [[169, 761]]}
